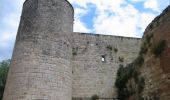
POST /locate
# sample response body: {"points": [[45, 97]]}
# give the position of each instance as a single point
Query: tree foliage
{"points": [[4, 67]]}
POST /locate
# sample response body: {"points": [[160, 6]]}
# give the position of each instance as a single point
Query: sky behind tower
{"points": [[110, 17]]}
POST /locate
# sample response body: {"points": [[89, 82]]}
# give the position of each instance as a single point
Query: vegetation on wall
{"points": [[155, 49], [109, 47], [4, 66], [139, 60], [143, 49], [159, 48], [95, 97], [145, 45], [121, 59], [129, 81], [115, 49], [74, 51]]}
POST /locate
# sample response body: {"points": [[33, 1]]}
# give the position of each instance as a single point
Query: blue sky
{"points": [[111, 17]]}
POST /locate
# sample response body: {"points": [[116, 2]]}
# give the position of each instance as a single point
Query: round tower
{"points": [[40, 67]]}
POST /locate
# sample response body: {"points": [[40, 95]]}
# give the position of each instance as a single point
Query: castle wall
{"points": [[50, 62], [156, 70], [93, 76], [40, 67]]}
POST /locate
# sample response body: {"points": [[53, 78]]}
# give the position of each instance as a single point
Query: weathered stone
{"points": [[93, 76], [41, 62], [156, 70], [46, 50]]}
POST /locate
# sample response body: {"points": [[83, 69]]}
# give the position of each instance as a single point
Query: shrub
{"points": [[109, 47], [74, 53], [159, 48], [135, 75], [121, 59], [151, 26], [141, 98], [148, 38], [156, 97], [139, 60], [141, 84], [123, 75], [124, 87], [143, 50], [95, 97], [115, 49]]}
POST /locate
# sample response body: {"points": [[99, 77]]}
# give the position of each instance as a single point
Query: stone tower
{"points": [[40, 67]]}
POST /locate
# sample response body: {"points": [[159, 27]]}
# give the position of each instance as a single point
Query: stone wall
{"points": [[156, 70], [95, 61], [91, 98], [40, 67], [50, 62]]}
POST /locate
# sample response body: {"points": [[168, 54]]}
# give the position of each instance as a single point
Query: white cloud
{"points": [[101, 5], [118, 17], [11, 20], [145, 19], [136, 0], [151, 4], [122, 23], [125, 21], [81, 3], [5, 39], [8, 34], [80, 27], [79, 12]]}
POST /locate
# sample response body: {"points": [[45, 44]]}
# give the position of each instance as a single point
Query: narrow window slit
{"points": [[103, 58]]}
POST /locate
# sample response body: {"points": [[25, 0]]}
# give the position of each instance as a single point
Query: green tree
{"points": [[4, 67]]}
